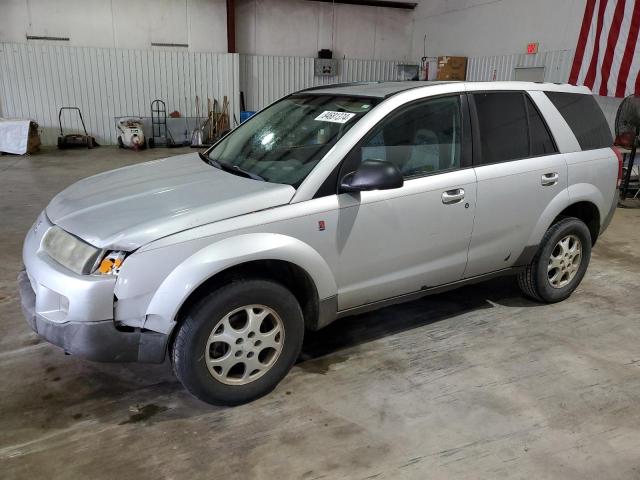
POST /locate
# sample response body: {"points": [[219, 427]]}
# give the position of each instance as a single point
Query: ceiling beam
{"points": [[374, 3]]}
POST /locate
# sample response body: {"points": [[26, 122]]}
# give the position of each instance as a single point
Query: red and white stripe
{"points": [[607, 58]]}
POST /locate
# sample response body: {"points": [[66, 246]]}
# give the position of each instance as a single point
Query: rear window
{"points": [[541, 141], [502, 122], [585, 118]]}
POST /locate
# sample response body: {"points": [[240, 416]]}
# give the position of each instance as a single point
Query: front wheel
{"points": [[560, 264], [238, 342]]}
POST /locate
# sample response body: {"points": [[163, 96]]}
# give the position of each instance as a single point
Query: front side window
{"points": [[420, 139], [285, 141]]}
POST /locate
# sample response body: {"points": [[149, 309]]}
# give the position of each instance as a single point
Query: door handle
{"points": [[453, 196], [549, 179]]}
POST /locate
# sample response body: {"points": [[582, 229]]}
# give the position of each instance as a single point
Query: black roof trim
{"points": [[360, 94], [335, 85], [375, 3], [402, 91]]}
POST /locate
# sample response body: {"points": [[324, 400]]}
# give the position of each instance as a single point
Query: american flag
{"points": [[607, 58]]}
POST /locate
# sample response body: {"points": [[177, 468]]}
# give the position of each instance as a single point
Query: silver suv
{"points": [[330, 202]]}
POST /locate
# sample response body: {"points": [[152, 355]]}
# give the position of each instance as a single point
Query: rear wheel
{"points": [[560, 264], [239, 342]]}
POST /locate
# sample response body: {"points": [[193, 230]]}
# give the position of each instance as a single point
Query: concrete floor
{"points": [[475, 383]]}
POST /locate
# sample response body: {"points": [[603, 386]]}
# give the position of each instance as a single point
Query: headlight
{"points": [[70, 251], [110, 264]]}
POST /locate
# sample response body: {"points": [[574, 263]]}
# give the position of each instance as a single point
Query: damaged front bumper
{"points": [[76, 312], [100, 341]]}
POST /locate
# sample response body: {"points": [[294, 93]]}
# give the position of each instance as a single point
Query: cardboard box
{"points": [[33, 140], [452, 68]]}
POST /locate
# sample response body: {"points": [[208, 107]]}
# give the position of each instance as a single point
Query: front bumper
{"points": [[76, 312], [99, 341]]}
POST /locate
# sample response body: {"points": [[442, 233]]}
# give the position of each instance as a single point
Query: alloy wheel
{"points": [[244, 344], [564, 261]]}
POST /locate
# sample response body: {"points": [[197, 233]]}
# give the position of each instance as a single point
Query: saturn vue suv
{"points": [[330, 202]]}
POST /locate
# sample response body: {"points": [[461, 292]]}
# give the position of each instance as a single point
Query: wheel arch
{"points": [[587, 212], [561, 207], [280, 258], [295, 278]]}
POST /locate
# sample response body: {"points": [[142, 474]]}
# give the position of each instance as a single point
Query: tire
{"points": [[210, 371], [151, 142], [120, 143], [535, 281]]}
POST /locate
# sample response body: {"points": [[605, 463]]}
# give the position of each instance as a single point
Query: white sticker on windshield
{"points": [[335, 117]]}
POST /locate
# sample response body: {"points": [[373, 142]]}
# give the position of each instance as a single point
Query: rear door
{"points": [[519, 172], [593, 167]]}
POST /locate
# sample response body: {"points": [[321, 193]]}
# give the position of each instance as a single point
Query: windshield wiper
{"points": [[210, 161], [227, 167], [236, 169]]}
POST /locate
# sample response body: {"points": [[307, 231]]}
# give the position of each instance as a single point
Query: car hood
{"points": [[131, 206]]}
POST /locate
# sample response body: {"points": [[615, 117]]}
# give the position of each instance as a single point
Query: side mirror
{"points": [[372, 175]]}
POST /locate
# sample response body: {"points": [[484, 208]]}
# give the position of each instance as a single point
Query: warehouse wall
{"points": [[36, 80], [494, 35], [266, 78], [301, 28], [264, 27], [201, 24], [495, 27], [277, 40]]}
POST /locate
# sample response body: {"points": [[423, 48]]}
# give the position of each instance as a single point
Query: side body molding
{"points": [[226, 253]]}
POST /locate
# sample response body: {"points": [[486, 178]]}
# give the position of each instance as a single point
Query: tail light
{"points": [[620, 163]]}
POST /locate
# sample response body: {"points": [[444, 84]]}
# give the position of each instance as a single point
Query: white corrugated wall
{"points": [[557, 68], [36, 80], [266, 78]]}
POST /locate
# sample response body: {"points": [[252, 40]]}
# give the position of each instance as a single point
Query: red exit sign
{"points": [[532, 48]]}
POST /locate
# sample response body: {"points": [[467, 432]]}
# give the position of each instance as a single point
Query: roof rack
{"points": [[336, 85]]}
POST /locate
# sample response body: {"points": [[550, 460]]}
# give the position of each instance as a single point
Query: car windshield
{"points": [[283, 143]]}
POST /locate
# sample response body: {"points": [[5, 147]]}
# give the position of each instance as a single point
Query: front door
{"points": [[394, 242]]}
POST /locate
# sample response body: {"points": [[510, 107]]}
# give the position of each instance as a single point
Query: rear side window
{"points": [[541, 141], [585, 118], [502, 122]]}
